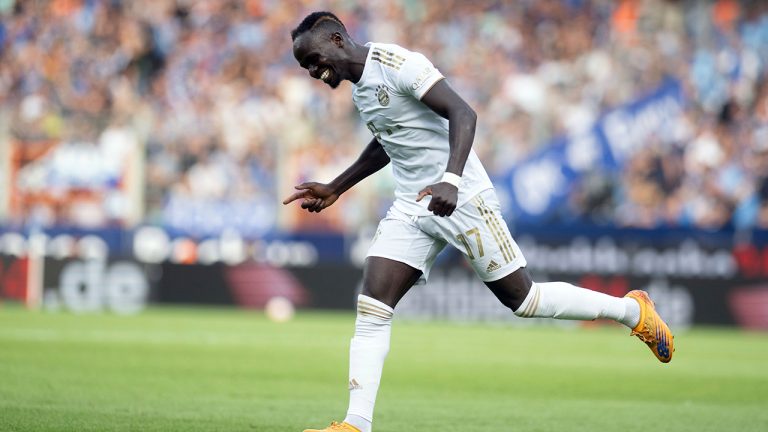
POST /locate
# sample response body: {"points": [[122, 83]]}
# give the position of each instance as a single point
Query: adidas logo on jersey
{"points": [[353, 385], [492, 266]]}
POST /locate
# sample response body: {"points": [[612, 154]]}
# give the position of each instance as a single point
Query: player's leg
{"points": [[385, 282], [478, 229], [562, 300], [399, 256]]}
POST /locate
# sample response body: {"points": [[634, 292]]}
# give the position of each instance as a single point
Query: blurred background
{"points": [[145, 147]]}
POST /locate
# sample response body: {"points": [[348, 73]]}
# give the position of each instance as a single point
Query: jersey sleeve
{"points": [[417, 75]]}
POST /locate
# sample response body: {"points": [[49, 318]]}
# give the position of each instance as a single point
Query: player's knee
{"points": [[508, 299], [528, 311], [373, 308], [387, 281], [514, 297], [379, 294], [512, 289]]}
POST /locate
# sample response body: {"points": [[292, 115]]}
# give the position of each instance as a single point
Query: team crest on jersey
{"points": [[382, 95]]}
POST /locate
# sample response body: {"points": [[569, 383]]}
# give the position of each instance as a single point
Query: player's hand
{"points": [[444, 198], [315, 196]]}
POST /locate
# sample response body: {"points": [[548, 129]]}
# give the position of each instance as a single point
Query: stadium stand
{"points": [[204, 101]]}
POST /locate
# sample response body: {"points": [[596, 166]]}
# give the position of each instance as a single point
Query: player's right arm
{"points": [[317, 196]]}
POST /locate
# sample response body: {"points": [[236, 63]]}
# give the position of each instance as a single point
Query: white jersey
{"points": [[388, 97]]}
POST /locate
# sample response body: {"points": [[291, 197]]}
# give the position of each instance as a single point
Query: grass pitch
{"points": [[228, 370]]}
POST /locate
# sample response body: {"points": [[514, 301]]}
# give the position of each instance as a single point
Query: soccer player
{"points": [[443, 196]]}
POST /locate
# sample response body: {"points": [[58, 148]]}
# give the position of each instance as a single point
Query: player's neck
{"points": [[357, 62]]}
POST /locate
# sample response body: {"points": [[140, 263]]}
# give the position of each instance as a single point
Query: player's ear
{"points": [[337, 39]]}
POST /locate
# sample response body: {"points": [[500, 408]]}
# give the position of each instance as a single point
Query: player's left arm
{"points": [[443, 100]]}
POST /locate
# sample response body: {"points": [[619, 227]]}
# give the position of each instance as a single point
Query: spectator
{"points": [[208, 94]]}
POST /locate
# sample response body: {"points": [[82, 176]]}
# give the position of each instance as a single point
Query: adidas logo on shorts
{"points": [[492, 266]]}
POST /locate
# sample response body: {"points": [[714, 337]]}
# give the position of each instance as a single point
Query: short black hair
{"points": [[311, 20]]}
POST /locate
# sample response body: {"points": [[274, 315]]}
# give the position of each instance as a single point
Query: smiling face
{"points": [[323, 55]]}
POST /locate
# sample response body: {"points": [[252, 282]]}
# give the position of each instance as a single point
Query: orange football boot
{"points": [[341, 427], [651, 329]]}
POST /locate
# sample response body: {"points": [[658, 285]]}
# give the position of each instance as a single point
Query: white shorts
{"points": [[477, 229]]}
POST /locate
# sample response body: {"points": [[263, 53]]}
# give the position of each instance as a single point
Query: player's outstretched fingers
{"points": [[304, 191], [295, 196]]}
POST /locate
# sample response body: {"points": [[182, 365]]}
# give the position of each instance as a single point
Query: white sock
{"points": [[358, 422], [367, 352], [565, 301]]}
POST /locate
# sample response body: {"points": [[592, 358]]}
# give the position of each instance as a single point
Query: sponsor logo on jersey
{"points": [[382, 95]]}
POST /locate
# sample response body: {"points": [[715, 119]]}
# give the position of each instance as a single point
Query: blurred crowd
{"points": [[204, 100]]}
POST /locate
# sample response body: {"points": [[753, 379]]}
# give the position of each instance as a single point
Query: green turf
{"points": [[226, 370]]}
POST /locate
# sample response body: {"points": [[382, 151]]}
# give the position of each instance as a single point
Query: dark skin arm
{"points": [[443, 100], [317, 196]]}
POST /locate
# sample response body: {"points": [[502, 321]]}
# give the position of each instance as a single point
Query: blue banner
{"points": [[541, 183]]}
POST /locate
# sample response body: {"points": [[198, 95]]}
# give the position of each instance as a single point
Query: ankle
{"points": [[358, 422]]}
